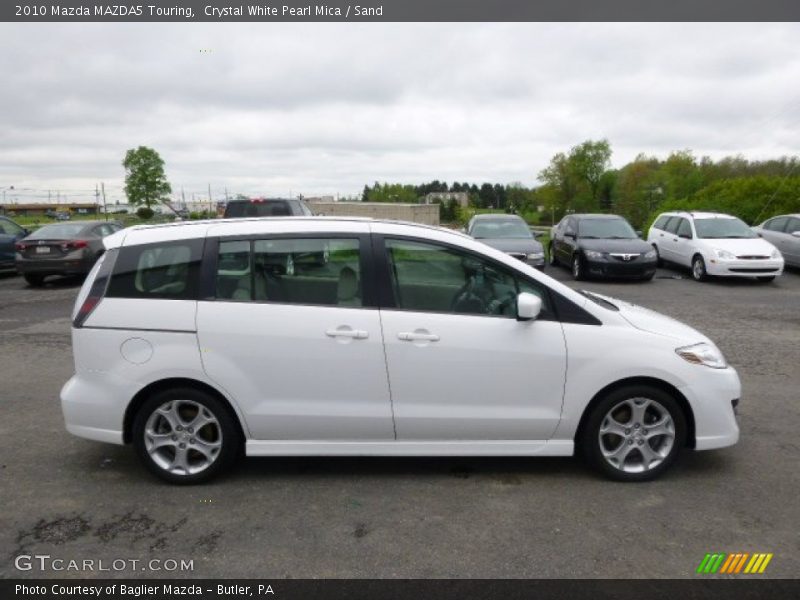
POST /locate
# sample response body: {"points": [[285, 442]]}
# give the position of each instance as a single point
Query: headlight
{"points": [[724, 254], [703, 354], [650, 254], [593, 254], [536, 256], [776, 253]]}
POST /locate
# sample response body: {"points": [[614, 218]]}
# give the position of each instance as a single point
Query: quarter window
{"points": [[168, 271], [292, 271], [432, 278], [794, 225]]}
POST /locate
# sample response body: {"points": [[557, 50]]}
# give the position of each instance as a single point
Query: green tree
{"points": [[589, 161], [145, 181]]}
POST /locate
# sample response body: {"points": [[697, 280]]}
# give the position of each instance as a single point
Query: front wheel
{"points": [[634, 433], [659, 260], [699, 272], [551, 254], [577, 268], [185, 436]]}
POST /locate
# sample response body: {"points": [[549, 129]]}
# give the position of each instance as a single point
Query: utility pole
{"points": [[96, 198], [105, 209], [209, 198]]}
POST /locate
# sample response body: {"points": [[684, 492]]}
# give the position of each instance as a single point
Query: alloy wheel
{"points": [[183, 437], [636, 435]]}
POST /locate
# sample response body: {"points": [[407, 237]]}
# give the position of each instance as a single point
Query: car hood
{"points": [[513, 245], [654, 322], [741, 247], [634, 246]]}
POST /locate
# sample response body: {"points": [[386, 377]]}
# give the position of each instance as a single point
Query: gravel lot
{"points": [[76, 499]]}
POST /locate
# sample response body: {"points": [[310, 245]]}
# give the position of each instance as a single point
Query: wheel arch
{"points": [[648, 381], [174, 382]]}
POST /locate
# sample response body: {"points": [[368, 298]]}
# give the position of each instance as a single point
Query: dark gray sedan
{"points": [[509, 234], [784, 233], [62, 249], [10, 234]]}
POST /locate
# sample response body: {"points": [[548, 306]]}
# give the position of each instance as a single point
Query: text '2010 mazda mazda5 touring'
{"points": [[331, 337]]}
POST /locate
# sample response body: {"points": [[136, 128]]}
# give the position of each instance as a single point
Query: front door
{"points": [[461, 367], [291, 337]]}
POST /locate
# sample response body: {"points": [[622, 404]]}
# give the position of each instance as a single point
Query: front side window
{"points": [[291, 271], [431, 278], [776, 224], [168, 271]]}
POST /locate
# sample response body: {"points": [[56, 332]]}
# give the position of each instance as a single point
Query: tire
{"points": [[766, 278], [577, 268], [659, 261], [551, 255], [649, 277], [699, 272], [166, 417], [34, 280], [615, 412]]}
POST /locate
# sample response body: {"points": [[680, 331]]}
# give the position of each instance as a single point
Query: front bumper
{"points": [[745, 268], [715, 400], [609, 267], [537, 263]]}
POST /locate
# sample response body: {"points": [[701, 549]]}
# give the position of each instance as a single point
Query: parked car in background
{"points": [[601, 246], [714, 244], [196, 342], [266, 207], [509, 234], [62, 249], [784, 233], [10, 234]]}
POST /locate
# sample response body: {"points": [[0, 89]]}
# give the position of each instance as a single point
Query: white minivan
{"points": [[198, 341]]}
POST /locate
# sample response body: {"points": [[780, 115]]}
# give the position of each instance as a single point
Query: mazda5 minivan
{"points": [[196, 342]]}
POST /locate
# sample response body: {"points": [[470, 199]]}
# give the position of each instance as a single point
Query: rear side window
{"points": [[168, 271], [317, 271], [672, 224], [684, 229]]}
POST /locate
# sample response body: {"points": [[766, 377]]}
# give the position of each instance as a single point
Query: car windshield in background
{"points": [[258, 208], [57, 231], [615, 229], [722, 228], [505, 228]]}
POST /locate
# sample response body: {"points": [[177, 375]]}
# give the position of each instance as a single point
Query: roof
{"points": [[700, 214]]}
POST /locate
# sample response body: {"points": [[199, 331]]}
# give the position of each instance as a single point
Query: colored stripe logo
{"points": [[735, 563]]}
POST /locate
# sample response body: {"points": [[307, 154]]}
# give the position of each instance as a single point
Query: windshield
{"points": [[722, 228], [57, 231], [259, 208], [617, 229], [505, 228]]}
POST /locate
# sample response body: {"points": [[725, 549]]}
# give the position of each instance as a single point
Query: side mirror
{"points": [[796, 234], [528, 306], [536, 234]]}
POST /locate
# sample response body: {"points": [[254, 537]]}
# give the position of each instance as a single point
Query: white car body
{"points": [[329, 380], [735, 257]]}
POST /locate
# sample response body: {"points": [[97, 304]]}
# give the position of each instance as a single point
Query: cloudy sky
{"points": [[325, 108]]}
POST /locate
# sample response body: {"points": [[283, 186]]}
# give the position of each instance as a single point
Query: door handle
{"points": [[345, 331], [415, 336]]}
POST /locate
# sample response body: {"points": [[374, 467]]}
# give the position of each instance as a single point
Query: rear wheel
{"points": [[185, 436], [635, 433], [699, 272], [34, 280]]}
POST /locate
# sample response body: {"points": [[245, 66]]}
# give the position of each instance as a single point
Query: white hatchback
{"points": [[320, 336], [714, 244]]}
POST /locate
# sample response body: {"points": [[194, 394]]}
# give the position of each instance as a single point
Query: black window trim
{"points": [[564, 310], [208, 280]]}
